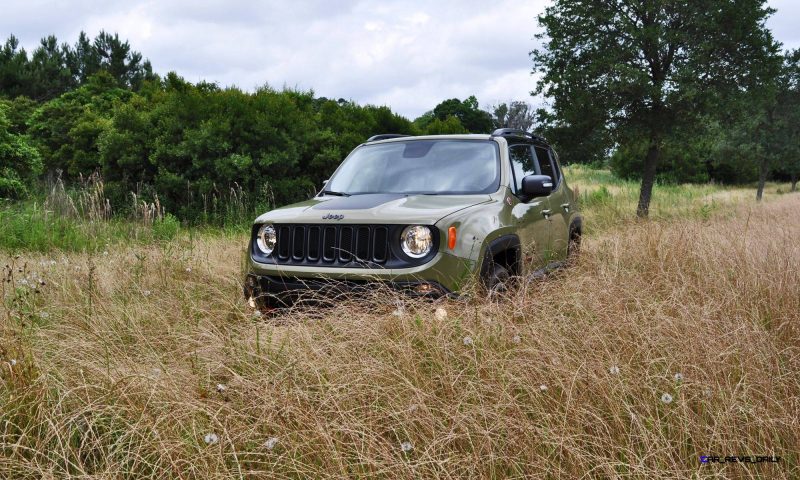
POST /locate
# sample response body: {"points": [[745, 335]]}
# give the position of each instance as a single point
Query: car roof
{"points": [[463, 136]]}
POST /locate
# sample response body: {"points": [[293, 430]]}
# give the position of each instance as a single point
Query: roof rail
{"points": [[515, 132], [385, 136]]}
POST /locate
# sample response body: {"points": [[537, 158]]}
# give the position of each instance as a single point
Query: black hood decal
{"points": [[358, 202]]}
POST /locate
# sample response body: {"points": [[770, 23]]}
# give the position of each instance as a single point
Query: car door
{"points": [[530, 215], [558, 200]]}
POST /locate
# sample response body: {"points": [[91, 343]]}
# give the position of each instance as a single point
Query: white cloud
{"points": [[409, 55]]}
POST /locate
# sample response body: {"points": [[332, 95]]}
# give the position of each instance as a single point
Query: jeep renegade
{"points": [[421, 214]]}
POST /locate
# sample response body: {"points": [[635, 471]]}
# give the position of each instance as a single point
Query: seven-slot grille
{"points": [[338, 245]]}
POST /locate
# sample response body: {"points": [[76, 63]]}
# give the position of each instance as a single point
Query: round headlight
{"points": [[416, 241], [266, 239]]}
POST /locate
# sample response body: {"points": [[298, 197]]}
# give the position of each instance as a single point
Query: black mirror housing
{"points": [[537, 185]]}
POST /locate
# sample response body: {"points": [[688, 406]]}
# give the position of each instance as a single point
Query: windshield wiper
{"points": [[337, 194]]}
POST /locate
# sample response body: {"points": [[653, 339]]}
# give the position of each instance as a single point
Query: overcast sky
{"points": [[409, 54]]}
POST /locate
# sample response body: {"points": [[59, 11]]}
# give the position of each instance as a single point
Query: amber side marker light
{"points": [[451, 238]]}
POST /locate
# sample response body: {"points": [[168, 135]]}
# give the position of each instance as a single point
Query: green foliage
{"points": [[447, 126], [55, 69], [627, 72], [166, 228], [470, 117], [20, 162]]}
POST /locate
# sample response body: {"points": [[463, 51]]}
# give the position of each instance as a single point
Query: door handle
{"points": [[546, 213]]}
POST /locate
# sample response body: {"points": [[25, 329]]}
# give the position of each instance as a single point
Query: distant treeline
{"points": [[97, 106]]}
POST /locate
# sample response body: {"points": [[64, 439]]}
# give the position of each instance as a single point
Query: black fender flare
{"points": [[499, 245]]}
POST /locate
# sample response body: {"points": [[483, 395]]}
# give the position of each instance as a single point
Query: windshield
{"points": [[420, 166]]}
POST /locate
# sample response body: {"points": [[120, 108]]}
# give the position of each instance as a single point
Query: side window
{"points": [[522, 163], [545, 164]]}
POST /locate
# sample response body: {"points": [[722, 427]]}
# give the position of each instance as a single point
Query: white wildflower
{"points": [[516, 339], [257, 314], [440, 313], [679, 377], [211, 438], [221, 388], [271, 443], [543, 387], [614, 370], [188, 269], [406, 446], [666, 398], [44, 315], [467, 340], [398, 312], [146, 293], [105, 253]]}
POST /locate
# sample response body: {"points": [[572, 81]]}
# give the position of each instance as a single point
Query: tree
{"points": [[647, 67], [787, 120], [467, 112], [514, 114]]}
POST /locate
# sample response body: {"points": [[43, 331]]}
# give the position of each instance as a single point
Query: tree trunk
{"points": [[794, 182], [762, 178], [648, 177]]}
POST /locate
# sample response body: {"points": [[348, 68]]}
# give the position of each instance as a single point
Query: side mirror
{"points": [[537, 185]]}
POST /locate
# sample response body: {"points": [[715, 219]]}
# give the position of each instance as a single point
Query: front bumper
{"points": [[284, 291], [283, 284]]}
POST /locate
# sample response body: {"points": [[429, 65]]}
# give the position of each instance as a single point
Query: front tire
{"points": [[498, 279]]}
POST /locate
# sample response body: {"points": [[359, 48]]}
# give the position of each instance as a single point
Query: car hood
{"points": [[386, 208]]}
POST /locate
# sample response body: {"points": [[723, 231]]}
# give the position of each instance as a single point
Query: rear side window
{"points": [[546, 164], [522, 163]]}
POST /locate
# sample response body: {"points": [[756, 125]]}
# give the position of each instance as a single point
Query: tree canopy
{"points": [[626, 71]]}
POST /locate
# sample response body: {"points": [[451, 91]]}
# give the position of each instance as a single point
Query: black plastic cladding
{"points": [[343, 245]]}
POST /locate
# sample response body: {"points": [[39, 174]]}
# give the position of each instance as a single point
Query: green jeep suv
{"points": [[421, 214]]}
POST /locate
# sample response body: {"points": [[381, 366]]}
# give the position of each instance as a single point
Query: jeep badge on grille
{"points": [[332, 216]]}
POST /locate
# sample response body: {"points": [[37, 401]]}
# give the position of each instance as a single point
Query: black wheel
{"points": [[498, 279]]}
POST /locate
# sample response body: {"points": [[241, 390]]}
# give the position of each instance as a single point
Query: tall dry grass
{"points": [[119, 359]]}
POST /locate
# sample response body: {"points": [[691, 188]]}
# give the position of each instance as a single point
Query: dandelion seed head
{"points": [[440, 313], [221, 388], [679, 377], [271, 443], [543, 387], [105, 253], [398, 312], [44, 315], [211, 438], [467, 340], [146, 293], [614, 370], [406, 446], [188, 269], [666, 398], [516, 339]]}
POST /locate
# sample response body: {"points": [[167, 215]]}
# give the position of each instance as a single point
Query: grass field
{"points": [[667, 340]]}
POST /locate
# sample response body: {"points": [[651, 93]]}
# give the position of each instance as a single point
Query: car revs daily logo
{"points": [[333, 216], [739, 459]]}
